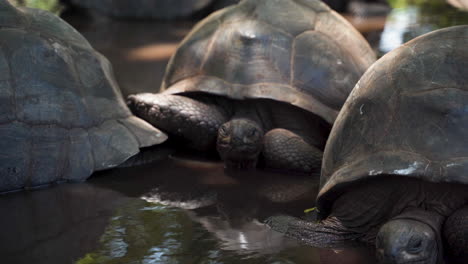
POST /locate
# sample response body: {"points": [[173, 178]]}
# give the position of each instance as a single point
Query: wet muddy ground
{"points": [[179, 210]]}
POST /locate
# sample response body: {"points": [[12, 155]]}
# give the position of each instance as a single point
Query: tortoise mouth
{"points": [[243, 156], [244, 149]]}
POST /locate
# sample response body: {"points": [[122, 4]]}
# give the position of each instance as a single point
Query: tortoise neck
{"points": [[248, 109]]}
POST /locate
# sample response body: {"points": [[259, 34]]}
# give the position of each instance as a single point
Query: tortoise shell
{"points": [[62, 115], [298, 52], [407, 116]]}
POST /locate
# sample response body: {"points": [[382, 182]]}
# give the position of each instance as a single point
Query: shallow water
{"points": [[411, 18], [179, 210], [173, 211]]}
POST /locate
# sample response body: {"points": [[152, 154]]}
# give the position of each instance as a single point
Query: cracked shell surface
{"points": [[407, 116], [62, 115], [298, 52]]}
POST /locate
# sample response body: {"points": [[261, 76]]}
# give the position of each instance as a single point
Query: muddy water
{"points": [[177, 210]]}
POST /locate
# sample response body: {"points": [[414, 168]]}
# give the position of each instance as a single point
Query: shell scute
{"points": [[343, 33], [7, 105], [14, 164], [315, 72], [255, 54], [80, 159], [48, 168], [54, 28], [112, 144]]}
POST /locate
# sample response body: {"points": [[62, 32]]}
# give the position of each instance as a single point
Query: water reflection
{"points": [[55, 225], [138, 215], [224, 225], [168, 235], [246, 236]]}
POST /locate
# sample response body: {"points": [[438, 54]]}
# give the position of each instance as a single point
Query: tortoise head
{"points": [[239, 143], [407, 241]]}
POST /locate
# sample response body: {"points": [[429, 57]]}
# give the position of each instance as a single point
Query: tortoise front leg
{"points": [[195, 121], [328, 233], [286, 150]]}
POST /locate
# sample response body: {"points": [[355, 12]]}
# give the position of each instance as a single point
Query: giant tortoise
{"points": [[395, 168], [62, 115], [262, 76]]}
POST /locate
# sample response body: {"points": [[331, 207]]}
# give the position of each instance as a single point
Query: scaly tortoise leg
{"points": [[195, 121], [286, 150], [328, 233]]}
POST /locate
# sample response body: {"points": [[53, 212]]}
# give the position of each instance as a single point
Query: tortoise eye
{"points": [[414, 245]]}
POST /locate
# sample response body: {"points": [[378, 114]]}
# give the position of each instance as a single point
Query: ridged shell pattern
{"points": [[295, 51], [407, 116], [62, 115]]}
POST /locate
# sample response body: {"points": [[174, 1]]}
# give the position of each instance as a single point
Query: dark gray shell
{"points": [[156, 9], [62, 115], [300, 52], [407, 116]]}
